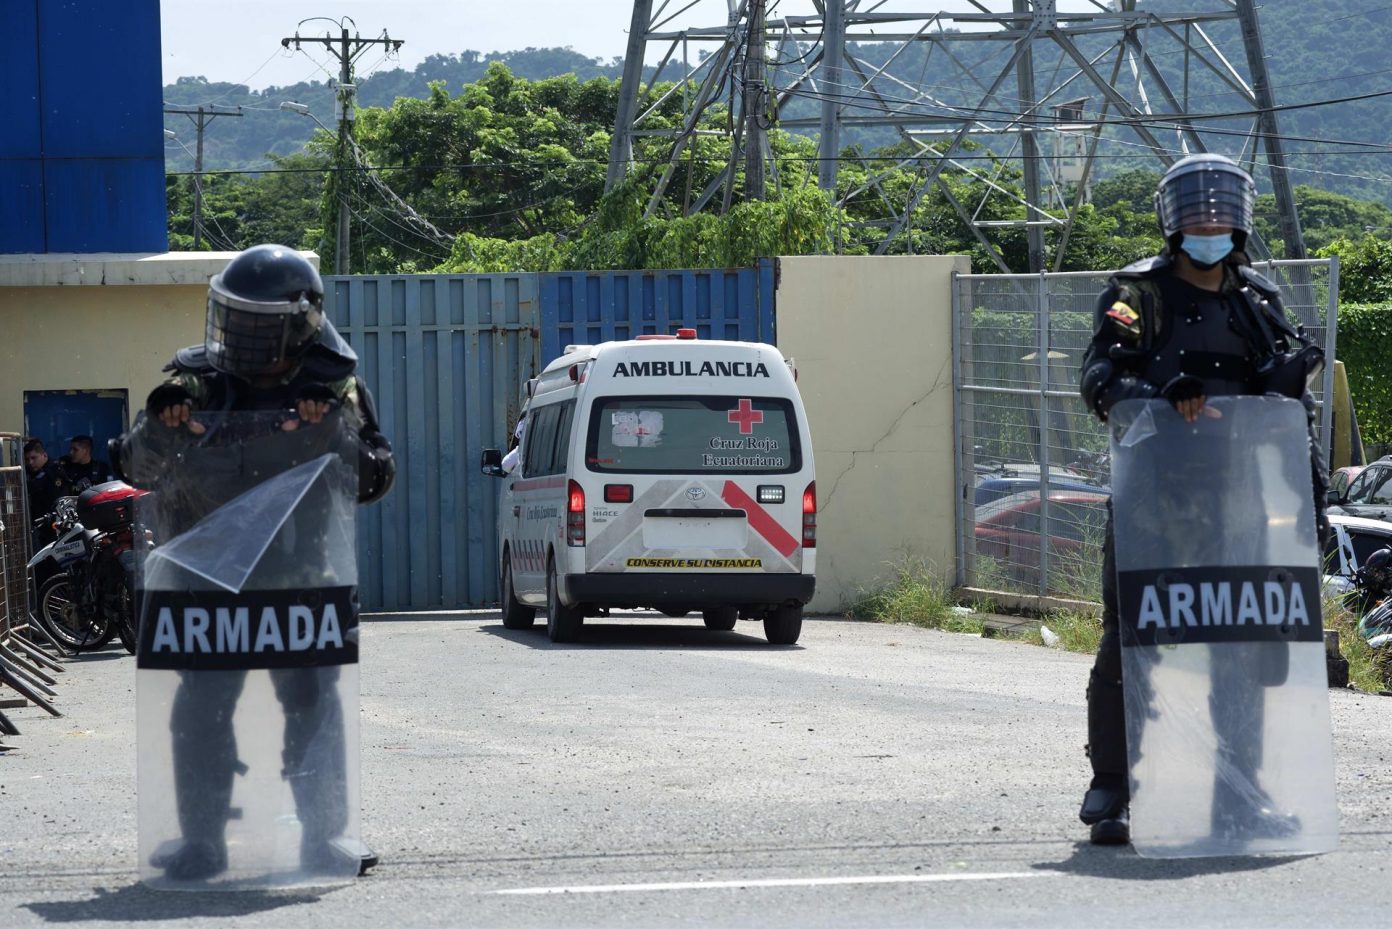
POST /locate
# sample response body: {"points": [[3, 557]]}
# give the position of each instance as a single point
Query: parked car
{"points": [[1008, 530], [994, 488], [1340, 480], [1369, 494], [998, 480], [1353, 540]]}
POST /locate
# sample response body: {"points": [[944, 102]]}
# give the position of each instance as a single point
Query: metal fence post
{"points": [[1043, 317], [1331, 332], [960, 485]]}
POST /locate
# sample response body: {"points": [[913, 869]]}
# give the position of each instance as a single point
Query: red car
{"points": [[1008, 531]]}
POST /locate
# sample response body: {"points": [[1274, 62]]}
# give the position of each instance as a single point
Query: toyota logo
{"points": [[695, 493]]}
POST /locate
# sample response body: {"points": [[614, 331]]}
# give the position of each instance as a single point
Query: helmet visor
{"points": [[1205, 197], [247, 343]]}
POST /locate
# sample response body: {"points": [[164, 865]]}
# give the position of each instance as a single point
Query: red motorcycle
{"points": [[86, 576]]}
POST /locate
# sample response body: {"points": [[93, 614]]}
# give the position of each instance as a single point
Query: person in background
{"points": [[45, 484], [80, 468]]}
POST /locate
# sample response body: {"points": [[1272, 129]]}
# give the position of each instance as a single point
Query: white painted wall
{"points": [[873, 342]]}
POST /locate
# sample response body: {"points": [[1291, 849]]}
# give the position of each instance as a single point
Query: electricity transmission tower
{"points": [[1042, 87]]}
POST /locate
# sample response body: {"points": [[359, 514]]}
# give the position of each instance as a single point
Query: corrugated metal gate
{"points": [[1017, 344], [446, 356]]}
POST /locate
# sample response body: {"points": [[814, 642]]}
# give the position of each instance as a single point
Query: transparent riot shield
{"points": [[247, 688], [1218, 581]]}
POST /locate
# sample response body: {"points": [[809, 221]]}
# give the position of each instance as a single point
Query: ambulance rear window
{"points": [[693, 435]]}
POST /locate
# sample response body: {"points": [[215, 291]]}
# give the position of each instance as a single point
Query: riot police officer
{"points": [[1194, 322], [267, 348]]}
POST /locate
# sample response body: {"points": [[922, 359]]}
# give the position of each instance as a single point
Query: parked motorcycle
{"points": [[86, 576]]}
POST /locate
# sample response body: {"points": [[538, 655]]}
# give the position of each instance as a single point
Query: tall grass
{"points": [[915, 594]]}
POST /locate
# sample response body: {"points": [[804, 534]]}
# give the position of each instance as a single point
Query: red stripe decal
{"points": [[759, 518]]}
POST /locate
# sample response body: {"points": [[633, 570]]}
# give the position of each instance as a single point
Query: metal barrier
{"points": [[1032, 463], [24, 666]]}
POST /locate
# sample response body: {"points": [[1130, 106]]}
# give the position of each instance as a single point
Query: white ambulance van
{"points": [[664, 472]]}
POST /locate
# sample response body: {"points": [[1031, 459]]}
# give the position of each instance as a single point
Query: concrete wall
{"points": [[97, 322], [873, 342]]}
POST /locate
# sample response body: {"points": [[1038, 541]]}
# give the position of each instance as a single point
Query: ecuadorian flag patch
{"points": [[1125, 317]]}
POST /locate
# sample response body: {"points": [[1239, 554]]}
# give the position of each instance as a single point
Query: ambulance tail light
{"points": [[575, 514], [618, 493], [809, 516]]}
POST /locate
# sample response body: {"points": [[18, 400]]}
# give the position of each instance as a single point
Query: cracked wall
{"points": [[872, 337]]}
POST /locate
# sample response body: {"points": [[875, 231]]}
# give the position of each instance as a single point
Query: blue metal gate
{"points": [[446, 356]]}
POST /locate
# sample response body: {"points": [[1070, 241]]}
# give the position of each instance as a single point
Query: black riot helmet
{"points": [[265, 308], [1205, 190]]}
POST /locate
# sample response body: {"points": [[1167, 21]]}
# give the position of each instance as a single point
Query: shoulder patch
{"points": [[1125, 317]]}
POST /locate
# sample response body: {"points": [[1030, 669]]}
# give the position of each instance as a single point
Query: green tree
{"points": [[1365, 268]]}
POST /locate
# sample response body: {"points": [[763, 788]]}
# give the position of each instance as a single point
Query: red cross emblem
{"points": [[746, 416]]}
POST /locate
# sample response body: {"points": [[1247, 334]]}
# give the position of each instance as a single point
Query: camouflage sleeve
{"points": [[376, 464]]}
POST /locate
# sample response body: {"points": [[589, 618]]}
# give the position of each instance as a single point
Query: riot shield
{"points": [[247, 685], [1218, 581]]}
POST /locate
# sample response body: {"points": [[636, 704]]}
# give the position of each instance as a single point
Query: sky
{"points": [[238, 41]]}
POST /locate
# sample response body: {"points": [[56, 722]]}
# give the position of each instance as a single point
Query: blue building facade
{"points": [[82, 149]]}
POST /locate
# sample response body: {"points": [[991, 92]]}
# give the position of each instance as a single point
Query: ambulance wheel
{"points": [[783, 625], [515, 614], [562, 622], [59, 609], [721, 619]]}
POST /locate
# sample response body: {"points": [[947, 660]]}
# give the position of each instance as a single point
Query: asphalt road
{"points": [[662, 775]]}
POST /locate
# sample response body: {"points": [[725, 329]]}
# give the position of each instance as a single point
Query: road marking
{"points": [[774, 882]]}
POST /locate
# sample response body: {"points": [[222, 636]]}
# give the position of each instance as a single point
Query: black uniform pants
{"points": [[205, 750]]}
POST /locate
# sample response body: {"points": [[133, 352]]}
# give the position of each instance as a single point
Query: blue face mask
{"points": [[1207, 250]]}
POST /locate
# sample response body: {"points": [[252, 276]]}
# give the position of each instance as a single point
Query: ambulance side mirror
{"points": [[492, 463]]}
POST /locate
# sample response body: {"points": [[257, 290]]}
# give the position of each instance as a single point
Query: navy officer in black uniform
{"points": [[1191, 323], [268, 347]]}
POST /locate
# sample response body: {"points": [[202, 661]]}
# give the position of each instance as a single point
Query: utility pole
{"points": [[346, 49], [201, 116], [755, 105]]}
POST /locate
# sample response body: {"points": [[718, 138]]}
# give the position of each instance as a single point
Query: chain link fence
{"points": [[1033, 469]]}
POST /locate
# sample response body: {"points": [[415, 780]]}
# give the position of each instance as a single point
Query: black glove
{"points": [[319, 393], [164, 396], [1181, 388]]}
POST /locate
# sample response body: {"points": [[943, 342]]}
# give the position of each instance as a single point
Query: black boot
{"points": [[1115, 830], [191, 861], [1106, 810]]}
